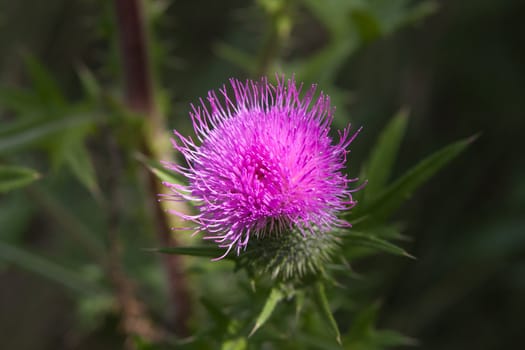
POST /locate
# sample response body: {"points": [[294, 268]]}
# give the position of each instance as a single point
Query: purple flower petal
{"points": [[264, 164]]}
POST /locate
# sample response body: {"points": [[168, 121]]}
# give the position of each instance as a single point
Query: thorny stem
{"points": [[138, 85]]}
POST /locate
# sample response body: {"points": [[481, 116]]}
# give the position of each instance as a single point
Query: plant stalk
{"points": [[139, 97]]}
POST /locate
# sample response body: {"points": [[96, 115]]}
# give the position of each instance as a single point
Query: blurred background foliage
{"points": [[456, 66]]}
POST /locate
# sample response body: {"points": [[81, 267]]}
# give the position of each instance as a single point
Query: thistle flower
{"points": [[264, 164]]}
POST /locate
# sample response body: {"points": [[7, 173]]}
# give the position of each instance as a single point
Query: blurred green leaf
{"points": [[333, 15], [384, 154], [367, 25], [12, 177], [384, 204], [324, 308], [158, 169], [19, 101], [47, 269], [69, 224], [419, 11], [29, 134], [276, 295], [236, 56], [93, 310], [43, 82], [16, 211], [364, 322], [78, 159], [89, 82], [391, 15], [220, 318], [300, 298], [312, 341], [389, 338], [363, 334], [239, 343], [367, 240]]}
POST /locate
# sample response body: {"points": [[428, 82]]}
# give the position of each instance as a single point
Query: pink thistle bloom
{"points": [[264, 164]]}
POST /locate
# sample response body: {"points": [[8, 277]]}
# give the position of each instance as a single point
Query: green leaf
{"points": [[12, 177], [364, 322], [300, 298], [364, 335], [44, 83], [158, 169], [236, 56], [388, 338], [79, 161], [380, 207], [89, 82], [69, 224], [367, 25], [200, 251], [45, 268], [419, 11], [324, 308], [28, 134], [18, 101], [384, 155], [220, 318], [239, 343], [276, 295], [367, 240]]}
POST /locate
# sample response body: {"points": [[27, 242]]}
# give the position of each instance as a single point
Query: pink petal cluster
{"points": [[264, 163]]}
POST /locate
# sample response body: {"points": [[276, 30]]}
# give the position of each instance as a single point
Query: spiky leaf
{"points": [[324, 308], [383, 205], [276, 295], [384, 154]]}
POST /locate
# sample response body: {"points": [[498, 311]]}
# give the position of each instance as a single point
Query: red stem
{"points": [[138, 87]]}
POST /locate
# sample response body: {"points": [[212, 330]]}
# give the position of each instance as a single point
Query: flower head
{"points": [[264, 164]]}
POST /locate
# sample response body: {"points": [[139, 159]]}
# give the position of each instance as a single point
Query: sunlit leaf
{"points": [[12, 177], [240, 343], [276, 295], [158, 169]]}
